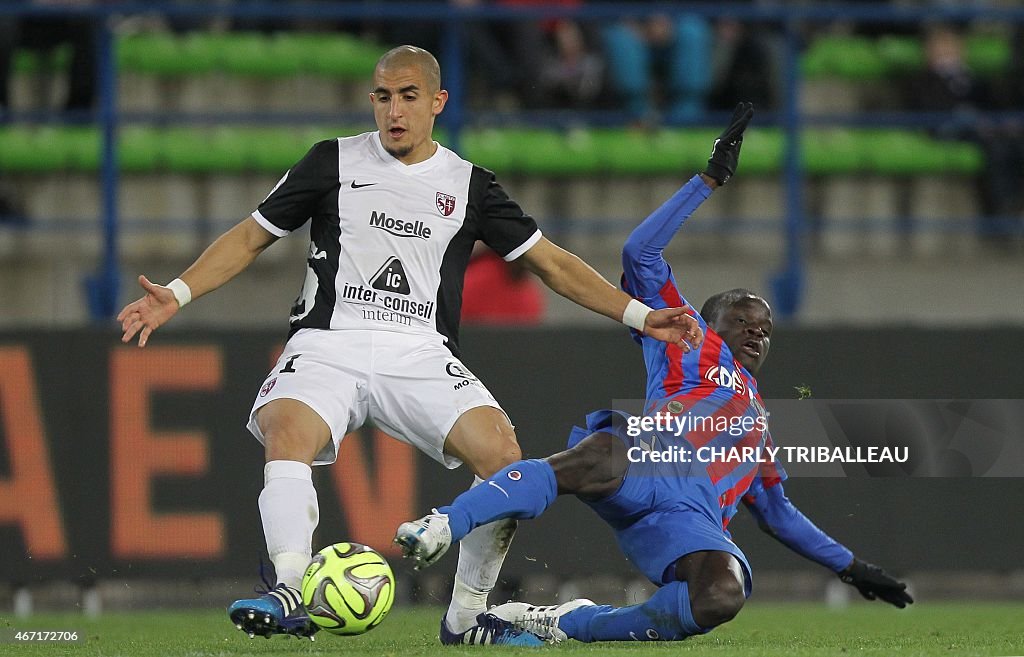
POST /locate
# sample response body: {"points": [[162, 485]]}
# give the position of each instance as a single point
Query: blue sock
{"points": [[523, 489], [665, 617]]}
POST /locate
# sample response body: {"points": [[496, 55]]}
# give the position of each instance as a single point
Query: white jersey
{"points": [[389, 242]]}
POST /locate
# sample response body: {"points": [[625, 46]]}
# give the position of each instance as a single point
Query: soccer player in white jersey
{"points": [[374, 331]]}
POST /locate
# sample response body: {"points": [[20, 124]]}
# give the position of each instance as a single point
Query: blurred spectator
{"points": [[540, 64], [1010, 86], [498, 292], [504, 57], [661, 65], [948, 85], [45, 35], [423, 34], [744, 65], [573, 72], [10, 210], [8, 33]]}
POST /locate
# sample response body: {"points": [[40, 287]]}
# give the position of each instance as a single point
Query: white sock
{"points": [[481, 553], [290, 513]]}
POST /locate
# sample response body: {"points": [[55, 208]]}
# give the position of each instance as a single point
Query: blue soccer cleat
{"points": [[489, 630], [277, 611]]}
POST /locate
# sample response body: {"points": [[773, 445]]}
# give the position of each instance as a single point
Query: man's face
{"points": [[404, 107], [746, 327]]}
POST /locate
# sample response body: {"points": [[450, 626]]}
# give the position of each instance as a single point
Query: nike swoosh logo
{"points": [[355, 186], [498, 487]]}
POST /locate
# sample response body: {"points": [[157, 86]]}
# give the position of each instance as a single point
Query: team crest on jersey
{"points": [[445, 203], [515, 475], [267, 387]]}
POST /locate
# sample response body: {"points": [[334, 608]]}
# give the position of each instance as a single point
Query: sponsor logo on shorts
{"points": [[445, 203], [515, 475], [457, 370], [267, 387]]}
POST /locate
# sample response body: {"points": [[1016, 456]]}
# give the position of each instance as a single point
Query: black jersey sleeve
{"points": [[292, 202], [501, 223]]}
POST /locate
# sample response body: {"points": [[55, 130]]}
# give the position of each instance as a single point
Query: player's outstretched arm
{"points": [[780, 519], [569, 276], [229, 255], [643, 263]]}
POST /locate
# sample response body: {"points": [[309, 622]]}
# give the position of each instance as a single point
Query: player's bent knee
{"points": [[718, 603], [511, 454], [484, 440], [590, 469], [506, 453], [291, 431]]}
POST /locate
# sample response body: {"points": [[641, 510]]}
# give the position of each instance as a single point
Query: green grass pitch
{"points": [[801, 630]]}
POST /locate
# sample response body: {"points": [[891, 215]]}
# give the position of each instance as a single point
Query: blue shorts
{"points": [[658, 519]]}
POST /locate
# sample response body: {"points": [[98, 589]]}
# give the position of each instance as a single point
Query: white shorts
{"points": [[410, 387]]}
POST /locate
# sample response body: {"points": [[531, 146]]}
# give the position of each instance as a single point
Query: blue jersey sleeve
{"points": [[644, 266], [777, 516]]}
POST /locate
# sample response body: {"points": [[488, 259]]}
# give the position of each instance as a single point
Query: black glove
{"points": [[725, 154], [873, 582]]}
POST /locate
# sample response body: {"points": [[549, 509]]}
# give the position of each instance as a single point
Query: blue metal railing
{"points": [[787, 284]]}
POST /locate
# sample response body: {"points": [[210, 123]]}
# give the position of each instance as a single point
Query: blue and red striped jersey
{"points": [[708, 382]]}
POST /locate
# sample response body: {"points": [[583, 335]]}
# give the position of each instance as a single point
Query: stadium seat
{"points": [[344, 57], [156, 54], [246, 54], [491, 149], [221, 150], [856, 58], [33, 61], [988, 54], [637, 153], [900, 54], [910, 153], [32, 150], [602, 152], [82, 148], [831, 151], [256, 56], [347, 57], [203, 52], [850, 57], [552, 153], [276, 149], [139, 149], [762, 151]]}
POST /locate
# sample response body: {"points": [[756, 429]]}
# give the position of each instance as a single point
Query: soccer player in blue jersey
{"points": [[670, 518]]}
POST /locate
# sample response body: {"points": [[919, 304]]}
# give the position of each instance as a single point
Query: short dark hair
{"points": [[716, 305]]}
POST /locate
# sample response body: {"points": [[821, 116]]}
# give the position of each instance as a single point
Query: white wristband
{"points": [[182, 292], [635, 315]]}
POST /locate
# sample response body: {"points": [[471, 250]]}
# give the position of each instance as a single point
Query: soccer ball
{"points": [[348, 588]]}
